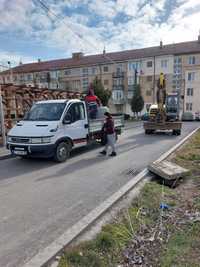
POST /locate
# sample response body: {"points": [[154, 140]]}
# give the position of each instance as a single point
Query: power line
{"points": [[49, 11]]}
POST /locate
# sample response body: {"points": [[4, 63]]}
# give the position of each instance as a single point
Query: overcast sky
{"points": [[28, 32]]}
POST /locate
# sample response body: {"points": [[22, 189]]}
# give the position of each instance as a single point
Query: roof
{"points": [[170, 49], [58, 101]]}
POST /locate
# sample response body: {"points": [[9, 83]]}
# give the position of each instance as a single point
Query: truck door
{"points": [[78, 128]]}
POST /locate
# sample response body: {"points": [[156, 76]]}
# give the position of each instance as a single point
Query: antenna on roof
{"points": [[161, 43], [199, 37], [104, 50], [20, 62]]}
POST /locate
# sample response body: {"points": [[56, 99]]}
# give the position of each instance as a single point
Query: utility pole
{"points": [[3, 130], [11, 71]]}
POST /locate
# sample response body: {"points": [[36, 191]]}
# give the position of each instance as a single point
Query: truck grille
{"points": [[24, 140]]}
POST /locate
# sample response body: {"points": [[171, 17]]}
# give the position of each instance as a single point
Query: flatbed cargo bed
{"points": [[151, 127]]}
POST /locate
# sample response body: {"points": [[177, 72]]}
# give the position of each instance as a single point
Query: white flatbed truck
{"points": [[52, 128]]}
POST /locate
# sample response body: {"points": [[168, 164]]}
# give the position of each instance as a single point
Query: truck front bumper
{"points": [[39, 151]]}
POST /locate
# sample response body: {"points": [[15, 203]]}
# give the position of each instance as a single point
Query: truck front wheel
{"points": [[62, 151]]}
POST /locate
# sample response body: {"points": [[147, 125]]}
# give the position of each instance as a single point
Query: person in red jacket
{"points": [[109, 131], [91, 97], [93, 103]]}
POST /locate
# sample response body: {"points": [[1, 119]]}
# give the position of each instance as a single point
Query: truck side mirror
{"points": [[67, 119]]}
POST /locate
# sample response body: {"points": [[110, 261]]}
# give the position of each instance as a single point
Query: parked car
{"points": [[187, 116], [197, 116], [145, 117]]}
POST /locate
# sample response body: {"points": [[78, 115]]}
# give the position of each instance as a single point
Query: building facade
{"points": [[119, 72]]}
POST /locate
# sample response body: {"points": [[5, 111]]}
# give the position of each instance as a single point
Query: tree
{"points": [[99, 90], [137, 102]]}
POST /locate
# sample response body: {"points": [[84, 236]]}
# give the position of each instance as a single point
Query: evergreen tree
{"points": [[99, 90], [137, 102]]}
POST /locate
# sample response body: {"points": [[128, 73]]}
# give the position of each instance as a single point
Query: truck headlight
{"points": [[36, 140], [9, 139], [46, 139]]}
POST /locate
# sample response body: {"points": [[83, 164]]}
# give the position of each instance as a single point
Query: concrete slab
{"points": [[168, 170]]}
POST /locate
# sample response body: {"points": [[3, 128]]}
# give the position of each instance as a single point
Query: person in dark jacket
{"points": [[109, 131]]}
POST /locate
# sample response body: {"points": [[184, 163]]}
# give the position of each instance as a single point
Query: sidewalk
{"points": [[4, 153]]}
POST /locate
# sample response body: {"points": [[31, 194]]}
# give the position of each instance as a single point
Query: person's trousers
{"points": [[110, 142]]}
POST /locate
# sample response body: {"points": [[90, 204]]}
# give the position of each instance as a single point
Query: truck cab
{"points": [[52, 128]]}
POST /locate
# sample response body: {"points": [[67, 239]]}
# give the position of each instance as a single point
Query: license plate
{"points": [[18, 152]]}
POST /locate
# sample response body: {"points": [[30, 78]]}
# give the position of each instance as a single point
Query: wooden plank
{"points": [[168, 170]]}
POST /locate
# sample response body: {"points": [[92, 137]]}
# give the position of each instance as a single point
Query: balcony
{"points": [[118, 87], [118, 74]]}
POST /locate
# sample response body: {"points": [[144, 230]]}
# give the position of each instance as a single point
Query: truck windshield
{"points": [[172, 101], [45, 112]]}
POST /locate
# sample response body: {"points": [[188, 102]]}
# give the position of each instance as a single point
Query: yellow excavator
{"points": [[164, 116]]}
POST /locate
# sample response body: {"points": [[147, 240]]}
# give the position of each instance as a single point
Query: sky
{"points": [[51, 29]]}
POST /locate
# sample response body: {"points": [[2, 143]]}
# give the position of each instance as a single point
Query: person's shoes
{"points": [[103, 152], [113, 154]]}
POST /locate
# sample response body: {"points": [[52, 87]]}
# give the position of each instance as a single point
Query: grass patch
{"points": [[183, 248]]}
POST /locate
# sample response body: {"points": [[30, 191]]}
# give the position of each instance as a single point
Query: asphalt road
{"points": [[39, 199]]}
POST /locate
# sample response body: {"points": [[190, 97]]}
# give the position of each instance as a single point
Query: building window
{"points": [[105, 68], [149, 78], [106, 82], [118, 82], [177, 60], [118, 95], [131, 80], [164, 63], [67, 72], [119, 68], [94, 70], [191, 60], [85, 71], [149, 64], [189, 91], [189, 106], [148, 93], [191, 76], [134, 65]]}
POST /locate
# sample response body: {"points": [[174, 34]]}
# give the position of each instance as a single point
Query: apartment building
{"points": [[119, 72]]}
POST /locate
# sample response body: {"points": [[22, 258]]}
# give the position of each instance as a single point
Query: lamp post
{"points": [[2, 121], [3, 130], [11, 72]]}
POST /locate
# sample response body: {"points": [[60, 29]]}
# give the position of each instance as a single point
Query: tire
{"points": [[176, 132], [147, 131], [62, 151]]}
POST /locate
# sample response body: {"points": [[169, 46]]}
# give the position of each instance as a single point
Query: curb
{"points": [[46, 256]]}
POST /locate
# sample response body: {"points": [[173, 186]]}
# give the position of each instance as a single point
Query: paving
{"points": [[4, 153], [40, 200]]}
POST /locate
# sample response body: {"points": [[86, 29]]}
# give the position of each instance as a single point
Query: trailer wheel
{"points": [[147, 131], [62, 151], [176, 132]]}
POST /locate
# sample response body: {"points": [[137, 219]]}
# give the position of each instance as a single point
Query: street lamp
{"points": [[3, 130], [11, 72], [2, 121]]}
